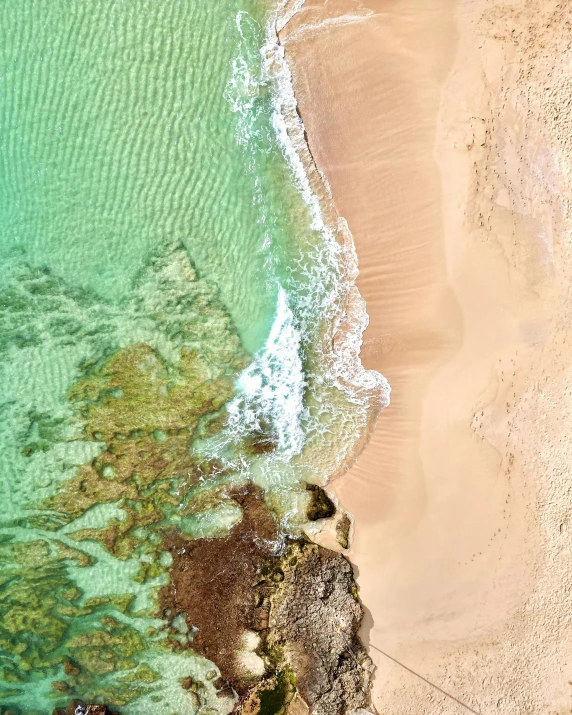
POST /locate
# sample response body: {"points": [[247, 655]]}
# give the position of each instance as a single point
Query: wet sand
{"points": [[442, 129]]}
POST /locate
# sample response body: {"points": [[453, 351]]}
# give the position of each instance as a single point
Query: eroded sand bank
{"points": [[443, 130]]}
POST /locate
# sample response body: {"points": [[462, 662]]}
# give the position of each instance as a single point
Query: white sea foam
{"points": [[285, 14], [342, 307], [307, 386], [245, 82], [271, 389], [309, 28]]}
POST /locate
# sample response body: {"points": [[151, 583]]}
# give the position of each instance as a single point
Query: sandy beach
{"points": [[442, 129]]}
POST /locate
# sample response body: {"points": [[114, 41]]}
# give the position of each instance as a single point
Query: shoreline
{"points": [[342, 339], [439, 153]]}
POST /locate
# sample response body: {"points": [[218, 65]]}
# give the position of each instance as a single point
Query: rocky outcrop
{"points": [[343, 528], [320, 505], [314, 619], [278, 616]]}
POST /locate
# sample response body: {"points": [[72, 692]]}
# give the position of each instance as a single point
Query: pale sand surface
{"points": [[445, 131]]}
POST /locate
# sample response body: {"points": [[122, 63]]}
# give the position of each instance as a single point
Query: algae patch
{"points": [[154, 376]]}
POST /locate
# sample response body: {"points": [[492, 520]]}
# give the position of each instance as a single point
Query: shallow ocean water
{"points": [[168, 296]]}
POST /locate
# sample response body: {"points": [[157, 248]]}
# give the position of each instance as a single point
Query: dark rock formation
{"points": [[314, 619], [278, 616], [320, 506], [299, 597]]}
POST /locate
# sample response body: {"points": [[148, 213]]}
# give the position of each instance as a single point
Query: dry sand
{"points": [[445, 132]]}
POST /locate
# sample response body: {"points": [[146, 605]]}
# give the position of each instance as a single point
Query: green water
{"points": [[116, 136], [168, 293]]}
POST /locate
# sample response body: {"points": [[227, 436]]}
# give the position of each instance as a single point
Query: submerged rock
{"points": [[221, 585]]}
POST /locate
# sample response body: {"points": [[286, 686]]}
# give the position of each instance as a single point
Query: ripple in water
{"points": [[177, 318]]}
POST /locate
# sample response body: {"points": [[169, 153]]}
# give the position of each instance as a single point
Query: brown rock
{"points": [[343, 531], [260, 619], [70, 668], [320, 506], [219, 581]]}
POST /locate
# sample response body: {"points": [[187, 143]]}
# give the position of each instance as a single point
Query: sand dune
{"points": [[443, 130]]}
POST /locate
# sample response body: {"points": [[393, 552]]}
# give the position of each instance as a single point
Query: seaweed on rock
{"points": [[277, 615]]}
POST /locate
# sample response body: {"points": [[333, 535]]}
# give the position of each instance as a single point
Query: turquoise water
{"points": [[170, 298]]}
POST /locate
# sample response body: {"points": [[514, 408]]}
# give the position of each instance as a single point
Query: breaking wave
{"points": [[306, 388]]}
